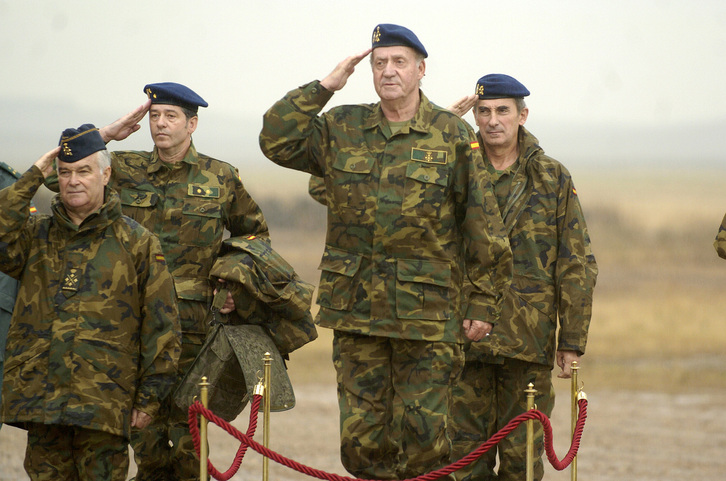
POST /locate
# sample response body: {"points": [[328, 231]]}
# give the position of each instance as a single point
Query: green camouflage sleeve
{"points": [[316, 189], [576, 271], [14, 221], [160, 331], [720, 242], [489, 256], [292, 134]]}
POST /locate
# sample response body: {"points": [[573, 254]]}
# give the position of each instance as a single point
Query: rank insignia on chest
{"points": [[428, 156], [203, 191], [71, 280]]}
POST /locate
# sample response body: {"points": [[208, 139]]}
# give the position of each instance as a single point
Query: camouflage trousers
{"points": [[394, 397], [68, 453], [164, 450], [488, 396]]}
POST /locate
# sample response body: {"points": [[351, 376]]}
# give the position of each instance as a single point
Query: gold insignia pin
{"points": [[377, 35]]}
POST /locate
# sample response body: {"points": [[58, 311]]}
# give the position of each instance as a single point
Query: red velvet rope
{"points": [[246, 440]]}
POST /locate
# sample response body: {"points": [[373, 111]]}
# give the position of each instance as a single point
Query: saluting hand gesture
{"points": [[126, 125], [45, 163], [339, 76]]}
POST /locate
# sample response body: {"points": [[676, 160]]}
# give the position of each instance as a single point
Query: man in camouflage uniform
{"points": [[720, 243], [410, 215], [8, 285], [94, 340], [188, 199], [554, 276]]}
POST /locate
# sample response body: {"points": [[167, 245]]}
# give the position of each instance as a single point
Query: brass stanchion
{"points": [[204, 447], [266, 414], [531, 391], [574, 396]]}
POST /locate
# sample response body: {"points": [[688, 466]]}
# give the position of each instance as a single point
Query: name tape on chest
{"points": [[197, 190], [428, 156]]}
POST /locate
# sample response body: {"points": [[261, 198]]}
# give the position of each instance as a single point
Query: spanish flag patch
{"points": [[251, 237], [574, 191], [159, 258], [474, 145], [33, 210]]}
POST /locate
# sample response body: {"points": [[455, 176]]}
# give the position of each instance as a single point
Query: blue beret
{"points": [[500, 86], [389, 35], [77, 144], [170, 93]]}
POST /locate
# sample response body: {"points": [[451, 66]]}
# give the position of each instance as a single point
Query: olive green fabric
{"points": [[720, 243], [547, 307], [95, 332], [8, 285], [267, 291], [554, 268], [72, 453], [410, 215], [394, 423]]}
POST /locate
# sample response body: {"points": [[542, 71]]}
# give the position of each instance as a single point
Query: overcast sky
{"points": [[609, 79]]}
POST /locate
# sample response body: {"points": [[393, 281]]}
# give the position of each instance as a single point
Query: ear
{"points": [[523, 115], [421, 69], [192, 124], [106, 175]]}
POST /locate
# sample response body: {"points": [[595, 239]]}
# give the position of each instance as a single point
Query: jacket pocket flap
{"points": [[423, 271], [138, 198], [340, 262]]}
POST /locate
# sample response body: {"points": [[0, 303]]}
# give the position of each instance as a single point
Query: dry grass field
{"points": [[655, 370]]}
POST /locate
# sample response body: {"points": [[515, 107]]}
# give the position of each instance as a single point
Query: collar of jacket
{"points": [[528, 147], [155, 162], [419, 122], [109, 212]]}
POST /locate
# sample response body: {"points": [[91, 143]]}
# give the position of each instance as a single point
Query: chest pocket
{"points": [[201, 222], [425, 189], [352, 179], [139, 205]]}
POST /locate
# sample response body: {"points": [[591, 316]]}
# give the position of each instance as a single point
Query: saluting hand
{"points": [[126, 125], [463, 105], [45, 163], [339, 76]]}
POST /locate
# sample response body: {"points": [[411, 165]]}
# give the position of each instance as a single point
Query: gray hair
{"points": [[104, 159], [521, 105]]}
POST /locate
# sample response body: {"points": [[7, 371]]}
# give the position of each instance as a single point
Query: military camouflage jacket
{"points": [[720, 242], [554, 268], [8, 285], [95, 330], [188, 205], [409, 216]]}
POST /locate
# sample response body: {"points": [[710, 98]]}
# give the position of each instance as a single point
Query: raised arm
{"points": [[126, 125]]}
